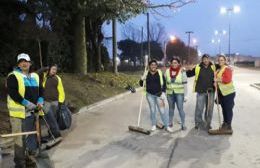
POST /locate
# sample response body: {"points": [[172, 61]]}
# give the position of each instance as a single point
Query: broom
{"points": [[138, 128]]}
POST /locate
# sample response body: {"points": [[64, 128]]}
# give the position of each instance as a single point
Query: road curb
{"points": [[255, 86], [104, 102]]}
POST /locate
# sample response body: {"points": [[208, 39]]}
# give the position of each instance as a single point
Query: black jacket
{"points": [[205, 80], [153, 85]]}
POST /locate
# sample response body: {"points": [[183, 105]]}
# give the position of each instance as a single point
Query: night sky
{"points": [[203, 18]]}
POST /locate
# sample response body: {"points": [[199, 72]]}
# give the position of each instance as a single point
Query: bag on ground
{"points": [[64, 117]]}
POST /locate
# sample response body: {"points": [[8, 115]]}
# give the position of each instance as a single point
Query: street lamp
{"points": [[223, 10], [217, 41], [218, 38], [171, 39], [195, 43]]}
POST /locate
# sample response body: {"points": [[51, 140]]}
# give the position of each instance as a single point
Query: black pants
{"points": [[227, 103]]}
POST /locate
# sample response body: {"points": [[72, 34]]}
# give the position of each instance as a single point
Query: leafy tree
{"points": [[178, 48], [131, 50]]}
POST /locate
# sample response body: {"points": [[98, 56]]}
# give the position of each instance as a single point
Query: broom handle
{"points": [[18, 134], [219, 119], [49, 129], [141, 103], [140, 110]]}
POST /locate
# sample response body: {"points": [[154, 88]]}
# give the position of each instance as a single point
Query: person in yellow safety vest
{"points": [[176, 90], [54, 96], [154, 84], [204, 87], [24, 95], [226, 94]]}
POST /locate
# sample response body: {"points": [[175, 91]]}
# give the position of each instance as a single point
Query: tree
{"points": [[178, 48], [157, 32], [130, 50]]}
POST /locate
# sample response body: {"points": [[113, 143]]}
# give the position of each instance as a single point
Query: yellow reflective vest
{"points": [[227, 88], [177, 86], [197, 72], [61, 96], [16, 109]]}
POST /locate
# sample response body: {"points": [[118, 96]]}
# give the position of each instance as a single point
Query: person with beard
{"points": [[204, 87]]}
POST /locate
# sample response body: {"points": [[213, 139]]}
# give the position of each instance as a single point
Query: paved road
{"points": [[99, 138]]}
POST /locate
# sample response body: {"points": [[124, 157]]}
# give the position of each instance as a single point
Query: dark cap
{"points": [[205, 56]]}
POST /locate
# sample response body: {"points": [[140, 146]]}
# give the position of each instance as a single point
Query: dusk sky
{"points": [[203, 18]]}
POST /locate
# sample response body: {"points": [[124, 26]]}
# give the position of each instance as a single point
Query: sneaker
{"points": [[171, 125], [153, 128], [169, 129]]}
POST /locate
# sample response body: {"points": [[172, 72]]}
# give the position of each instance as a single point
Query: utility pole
{"points": [[142, 54], [148, 37], [188, 32], [114, 46], [229, 36]]}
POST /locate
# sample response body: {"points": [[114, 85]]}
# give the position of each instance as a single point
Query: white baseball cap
{"points": [[24, 56]]}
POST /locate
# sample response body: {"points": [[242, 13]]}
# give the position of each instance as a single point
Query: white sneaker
{"points": [[169, 129], [153, 128]]}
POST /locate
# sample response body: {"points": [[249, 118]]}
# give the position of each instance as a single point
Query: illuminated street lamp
{"points": [[223, 10], [217, 42], [172, 39], [218, 38], [194, 41]]}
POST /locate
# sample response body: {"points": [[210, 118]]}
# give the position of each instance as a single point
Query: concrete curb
{"points": [[255, 86], [103, 102]]}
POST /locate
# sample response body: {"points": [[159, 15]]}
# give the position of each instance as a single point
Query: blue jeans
{"points": [[177, 99], [50, 109], [204, 101], [154, 102]]}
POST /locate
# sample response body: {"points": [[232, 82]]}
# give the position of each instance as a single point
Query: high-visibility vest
{"points": [[61, 93], [177, 86], [197, 72], [16, 109], [161, 79], [225, 89]]}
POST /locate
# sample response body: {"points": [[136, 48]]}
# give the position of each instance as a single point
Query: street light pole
{"points": [[229, 36], [188, 32], [165, 45], [148, 37], [229, 11]]}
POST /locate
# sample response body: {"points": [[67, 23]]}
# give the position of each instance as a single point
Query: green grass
{"points": [[85, 90], [80, 90]]}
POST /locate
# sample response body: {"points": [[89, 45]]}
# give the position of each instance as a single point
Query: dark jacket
{"points": [[205, 80], [153, 85], [50, 91]]}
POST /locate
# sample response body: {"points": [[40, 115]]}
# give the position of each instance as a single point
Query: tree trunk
{"points": [[80, 52], [99, 57], [40, 51]]}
